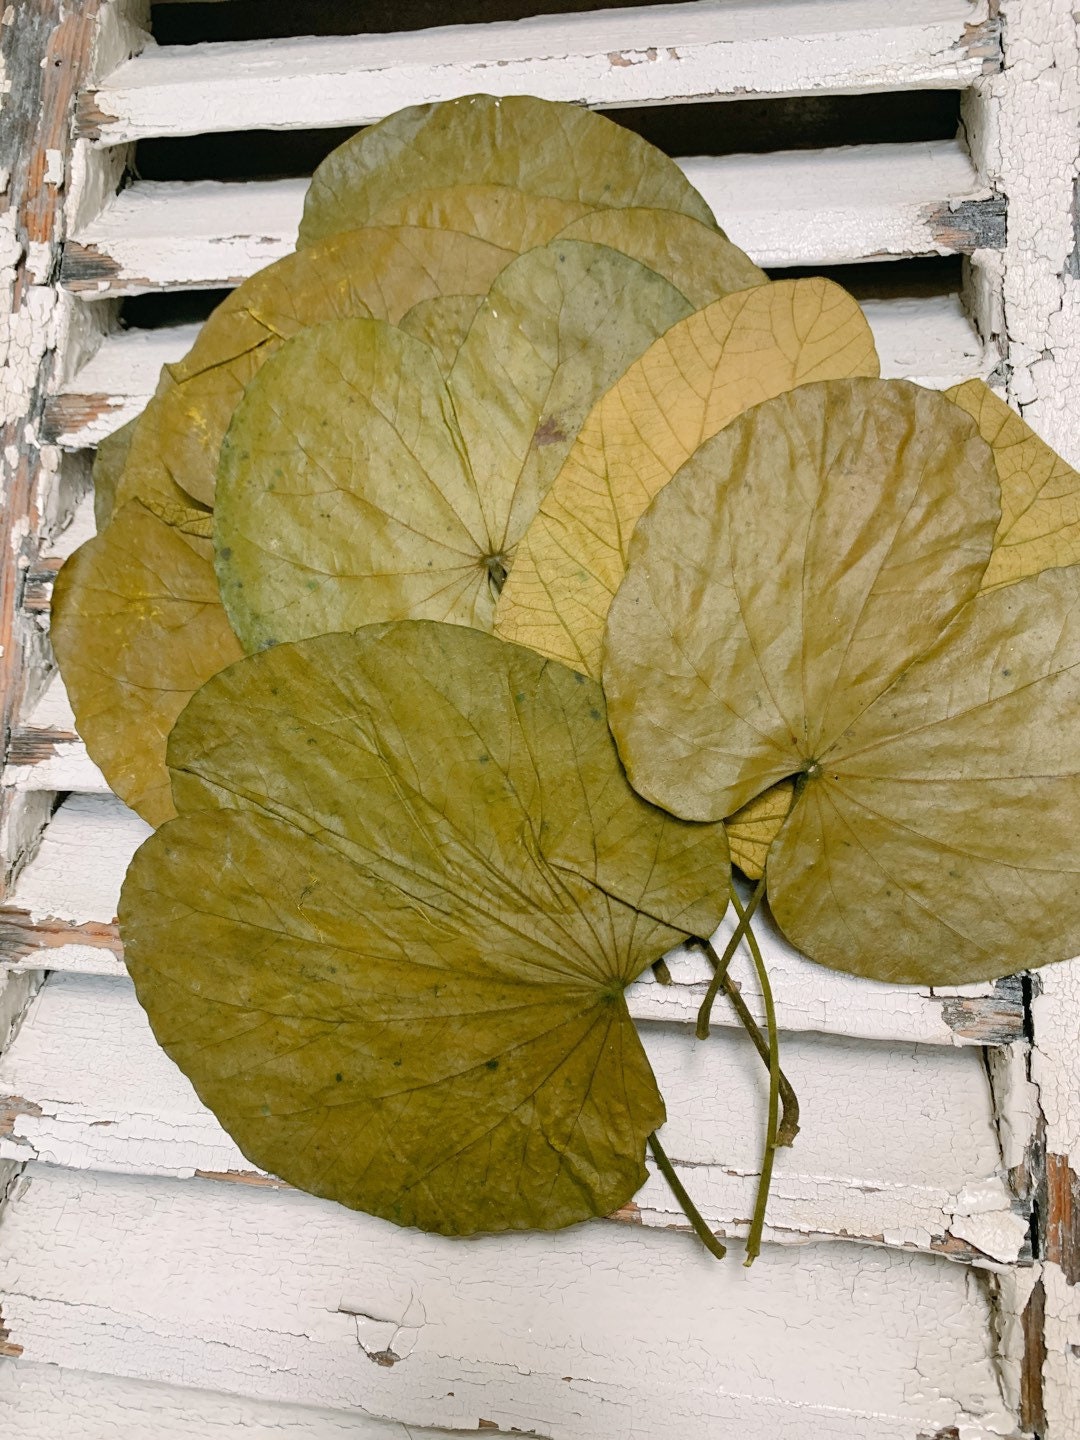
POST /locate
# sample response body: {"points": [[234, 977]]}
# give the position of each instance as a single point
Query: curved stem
{"points": [[757, 1224], [690, 1210], [719, 974], [789, 1113]]}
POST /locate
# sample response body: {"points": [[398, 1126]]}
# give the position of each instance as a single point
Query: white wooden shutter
{"points": [[919, 1281]]}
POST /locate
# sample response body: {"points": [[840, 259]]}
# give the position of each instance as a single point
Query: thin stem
{"points": [[741, 929], [789, 1119], [662, 973], [690, 1210], [757, 1224]]}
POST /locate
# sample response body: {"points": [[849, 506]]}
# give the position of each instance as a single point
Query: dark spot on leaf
{"points": [[339, 1077], [493, 1064], [225, 552], [594, 714], [548, 432], [484, 759]]}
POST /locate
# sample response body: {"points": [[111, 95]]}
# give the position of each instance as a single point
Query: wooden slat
{"points": [[867, 202], [60, 915], [879, 1158], [930, 340], [43, 1402], [603, 1331], [623, 57]]}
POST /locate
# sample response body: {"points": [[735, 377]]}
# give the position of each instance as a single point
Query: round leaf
{"points": [[422, 487], [137, 627], [512, 219], [380, 272], [388, 936], [794, 567], [940, 842], [543, 147], [698, 259], [1040, 494], [691, 383]]}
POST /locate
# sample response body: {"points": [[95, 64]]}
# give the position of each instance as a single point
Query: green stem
{"points": [[690, 1210], [720, 973], [789, 1115], [757, 1224]]}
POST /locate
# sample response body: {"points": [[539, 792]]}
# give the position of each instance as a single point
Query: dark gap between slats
{"points": [[188, 24], [937, 275], [729, 127]]}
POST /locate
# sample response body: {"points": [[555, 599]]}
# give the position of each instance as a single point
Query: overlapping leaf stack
{"points": [[404, 871]]}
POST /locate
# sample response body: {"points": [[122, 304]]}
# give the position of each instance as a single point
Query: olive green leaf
{"points": [[499, 214], [389, 935], [545, 148], [691, 383], [137, 626], [380, 272], [781, 593], [356, 485], [698, 259], [1040, 493], [442, 324], [108, 467]]}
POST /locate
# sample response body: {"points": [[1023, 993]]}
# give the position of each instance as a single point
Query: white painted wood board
{"points": [[610, 1332], [898, 1142], [642, 56], [928, 339], [799, 207], [75, 880], [44, 1402]]}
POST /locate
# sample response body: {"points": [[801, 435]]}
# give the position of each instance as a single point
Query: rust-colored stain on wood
{"points": [[69, 414], [7, 1345], [1032, 1408], [44, 50], [21, 936], [11, 1108], [1062, 1225], [34, 744]]}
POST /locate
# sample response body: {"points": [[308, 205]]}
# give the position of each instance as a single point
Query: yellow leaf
{"points": [[751, 830], [1040, 493], [688, 385]]}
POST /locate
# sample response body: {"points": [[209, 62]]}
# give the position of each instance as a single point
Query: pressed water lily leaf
{"points": [[380, 272], [512, 219], [137, 627], [388, 936], [108, 467], [422, 487], [940, 842], [442, 324], [691, 383], [1040, 493], [698, 259], [546, 148], [811, 617], [752, 829], [798, 563]]}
